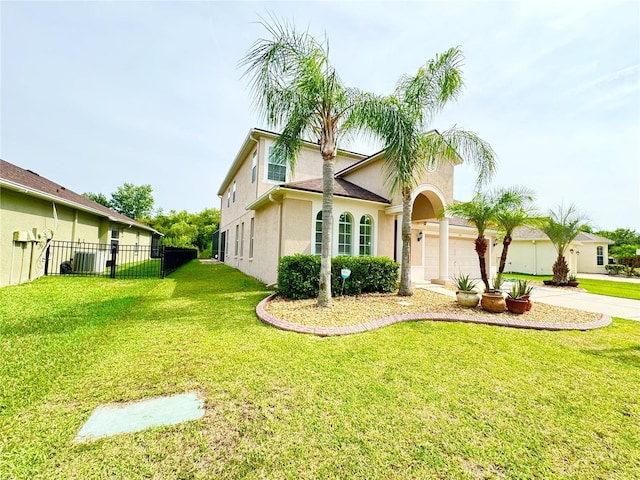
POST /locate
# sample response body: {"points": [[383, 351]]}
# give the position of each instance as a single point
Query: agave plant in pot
{"points": [[466, 295], [493, 300], [518, 298]]}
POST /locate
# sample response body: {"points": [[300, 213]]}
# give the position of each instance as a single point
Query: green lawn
{"points": [[610, 288], [414, 400]]}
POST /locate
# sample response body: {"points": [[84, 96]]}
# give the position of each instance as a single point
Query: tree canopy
{"points": [[134, 201]]}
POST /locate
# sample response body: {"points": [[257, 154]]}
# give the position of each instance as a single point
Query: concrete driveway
{"points": [[561, 297]]}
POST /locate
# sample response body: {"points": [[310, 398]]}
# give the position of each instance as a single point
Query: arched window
{"points": [[318, 234], [345, 234], [366, 238]]}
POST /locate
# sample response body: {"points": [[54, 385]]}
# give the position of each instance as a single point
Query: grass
{"points": [[610, 288], [414, 400]]}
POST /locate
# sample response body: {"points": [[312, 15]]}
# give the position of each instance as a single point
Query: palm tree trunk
{"points": [[328, 151], [481, 250], [503, 257], [406, 289], [560, 269]]}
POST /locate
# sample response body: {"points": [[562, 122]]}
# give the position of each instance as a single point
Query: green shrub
{"points": [[299, 275]]}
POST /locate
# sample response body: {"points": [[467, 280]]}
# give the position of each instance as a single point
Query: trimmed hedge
{"points": [[299, 275]]}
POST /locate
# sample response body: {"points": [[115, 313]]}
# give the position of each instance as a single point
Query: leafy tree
{"points": [[410, 149], [98, 198], [299, 92], [133, 201], [188, 230], [562, 226]]}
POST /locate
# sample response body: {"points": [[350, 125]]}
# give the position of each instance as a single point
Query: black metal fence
{"points": [[115, 260]]}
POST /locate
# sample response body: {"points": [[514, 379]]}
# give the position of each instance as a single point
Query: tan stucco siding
{"points": [[296, 225], [370, 177], [537, 258], [385, 229], [264, 264]]}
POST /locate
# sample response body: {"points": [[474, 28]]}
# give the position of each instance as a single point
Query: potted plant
{"points": [[516, 303], [573, 280], [492, 300], [466, 295], [525, 292]]}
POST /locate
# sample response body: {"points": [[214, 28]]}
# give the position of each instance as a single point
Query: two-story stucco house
{"points": [[268, 211]]}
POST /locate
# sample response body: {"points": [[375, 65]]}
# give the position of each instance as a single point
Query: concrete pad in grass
{"points": [[110, 420]]}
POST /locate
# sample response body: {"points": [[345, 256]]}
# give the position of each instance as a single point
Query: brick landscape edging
{"points": [[266, 317]]}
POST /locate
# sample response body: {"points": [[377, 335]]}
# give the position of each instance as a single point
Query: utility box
{"points": [[20, 236]]}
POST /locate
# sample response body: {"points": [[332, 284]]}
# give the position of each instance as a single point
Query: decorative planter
{"points": [[517, 305], [493, 302], [526, 297], [573, 283], [467, 299], [548, 282]]}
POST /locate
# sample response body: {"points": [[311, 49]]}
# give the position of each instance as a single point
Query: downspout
{"points": [[535, 258]]}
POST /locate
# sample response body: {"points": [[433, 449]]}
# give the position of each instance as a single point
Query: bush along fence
{"points": [[115, 260], [299, 276]]}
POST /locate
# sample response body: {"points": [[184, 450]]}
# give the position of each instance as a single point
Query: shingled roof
{"points": [[341, 188], [530, 233], [28, 182]]}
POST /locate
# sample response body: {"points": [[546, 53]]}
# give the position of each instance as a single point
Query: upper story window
{"points": [[600, 255], [254, 166], [276, 167], [234, 191], [345, 234], [318, 234], [228, 198], [365, 243]]}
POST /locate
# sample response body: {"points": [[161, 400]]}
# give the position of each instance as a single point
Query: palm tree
{"points": [[515, 209], [562, 226], [480, 211], [409, 153], [298, 91]]}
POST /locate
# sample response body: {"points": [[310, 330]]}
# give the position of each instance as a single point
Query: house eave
{"points": [[68, 203]]}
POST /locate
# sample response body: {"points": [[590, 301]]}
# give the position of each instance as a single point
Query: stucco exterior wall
{"points": [[296, 224], [537, 257]]}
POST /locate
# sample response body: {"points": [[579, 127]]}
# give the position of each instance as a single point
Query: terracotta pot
{"points": [[527, 298], [493, 302], [467, 299], [518, 306], [573, 283]]}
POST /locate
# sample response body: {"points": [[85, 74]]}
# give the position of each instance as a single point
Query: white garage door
{"points": [[463, 258]]}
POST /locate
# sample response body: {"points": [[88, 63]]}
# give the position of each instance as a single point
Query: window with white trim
{"points": [[251, 230], [234, 191], [600, 255], [237, 239], [366, 236], [276, 167], [254, 166], [345, 234], [318, 234], [242, 240], [228, 198]]}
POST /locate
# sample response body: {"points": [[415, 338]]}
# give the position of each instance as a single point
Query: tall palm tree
{"points": [[562, 226], [298, 91], [417, 100], [515, 209]]}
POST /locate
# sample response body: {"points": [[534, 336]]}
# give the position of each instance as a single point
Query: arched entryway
{"points": [[429, 235]]}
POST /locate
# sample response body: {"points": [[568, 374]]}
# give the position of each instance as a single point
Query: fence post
{"points": [[46, 258], [114, 250]]}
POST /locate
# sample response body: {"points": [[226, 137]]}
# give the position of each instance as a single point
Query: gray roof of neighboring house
{"points": [[341, 188], [530, 233], [14, 177]]}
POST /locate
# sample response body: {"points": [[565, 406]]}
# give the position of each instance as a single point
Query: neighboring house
{"points": [[532, 252], [268, 212], [34, 210]]}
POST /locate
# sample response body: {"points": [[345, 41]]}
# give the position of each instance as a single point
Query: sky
{"points": [[96, 94]]}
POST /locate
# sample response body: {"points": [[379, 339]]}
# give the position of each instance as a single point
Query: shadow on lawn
{"points": [[628, 355]]}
